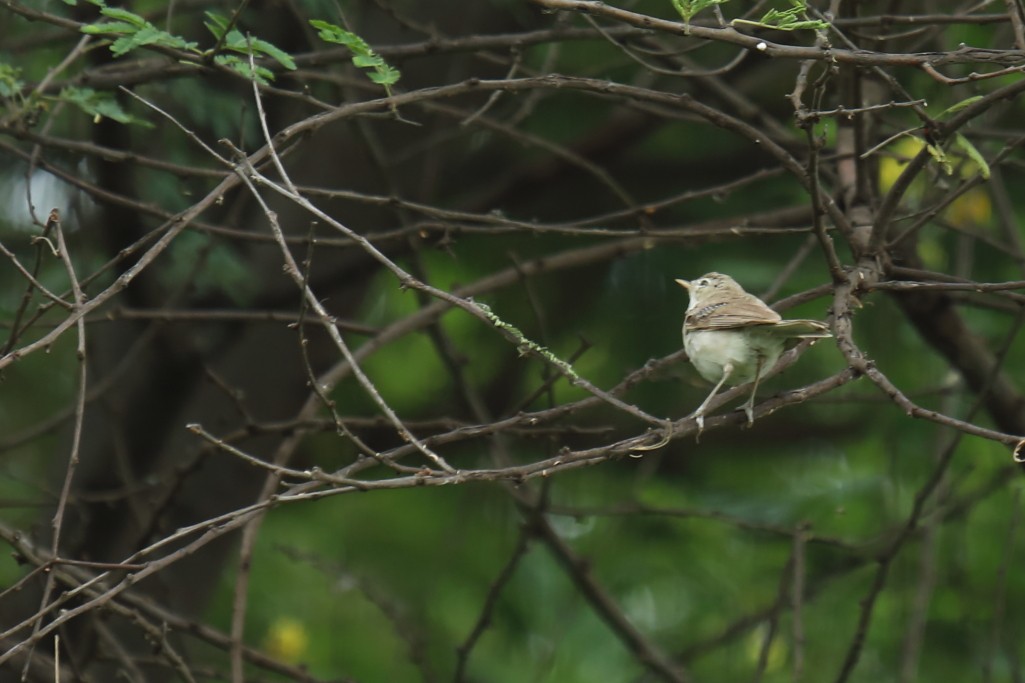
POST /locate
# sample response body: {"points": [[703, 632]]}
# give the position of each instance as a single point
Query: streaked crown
{"points": [[711, 288]]}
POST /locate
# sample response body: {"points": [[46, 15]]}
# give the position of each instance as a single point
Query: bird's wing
{"points": [[733, 312]]}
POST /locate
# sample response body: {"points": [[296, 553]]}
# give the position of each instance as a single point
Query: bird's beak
{"points": [[684, 284]]}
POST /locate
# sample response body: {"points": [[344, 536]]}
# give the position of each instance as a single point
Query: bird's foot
{"points": [[699, 418]]}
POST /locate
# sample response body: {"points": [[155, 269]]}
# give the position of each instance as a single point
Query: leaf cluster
{"points": [[233, 49], [363, 56], [793, 18], [135, 32]]}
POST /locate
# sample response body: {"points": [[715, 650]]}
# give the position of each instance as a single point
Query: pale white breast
{"points": [[711, 350]]}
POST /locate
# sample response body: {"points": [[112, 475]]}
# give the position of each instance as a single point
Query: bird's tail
{"points": [[802, 329]]}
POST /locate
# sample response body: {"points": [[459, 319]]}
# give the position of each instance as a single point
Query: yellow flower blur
{"points": [[972, 209], [286, 640]]}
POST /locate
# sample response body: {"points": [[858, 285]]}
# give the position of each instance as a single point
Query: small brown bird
{"points": [[732, 337]]}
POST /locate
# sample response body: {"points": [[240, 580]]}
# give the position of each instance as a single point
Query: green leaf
{"points": [[10, 83], [136, 32], [689, 8], [367, 61], [100, 105], [940, 157], [972, 153], [147, 35], [109, 27], [959, 106], [385, 76], [217, 25], [274, 52], [330, 33], [237, 42], [124, 15], [262, 75]]}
